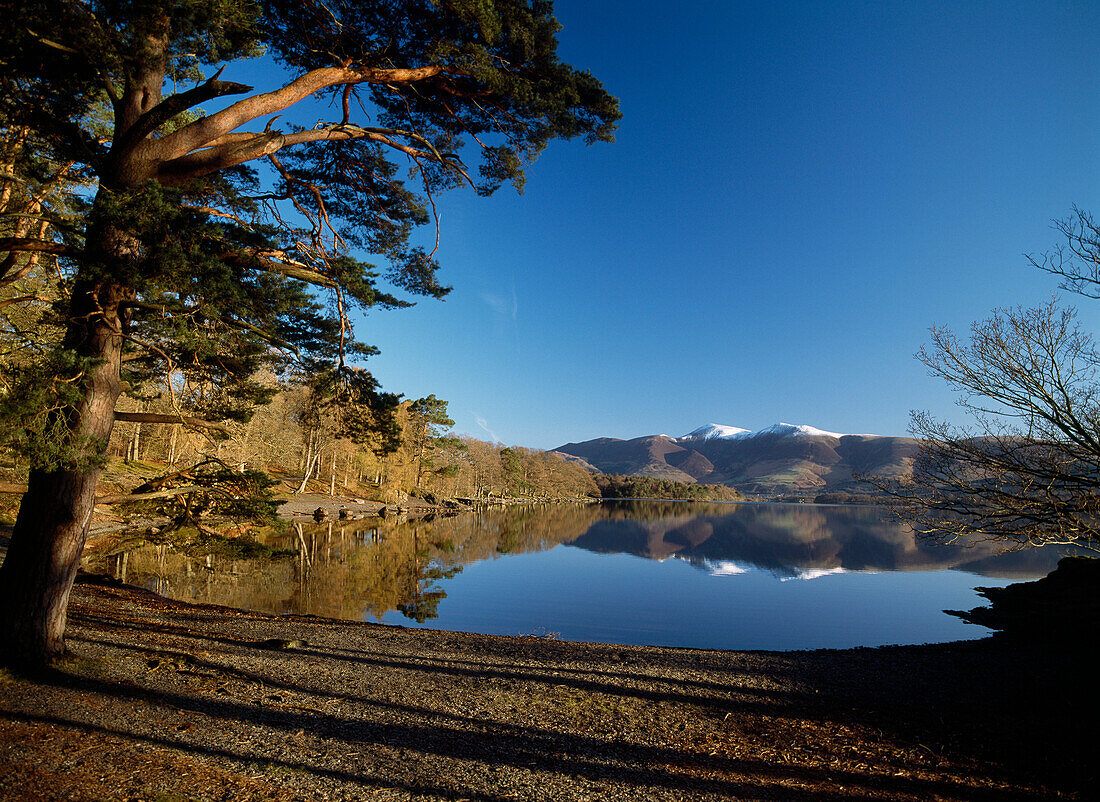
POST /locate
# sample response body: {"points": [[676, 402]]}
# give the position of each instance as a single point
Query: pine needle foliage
{"points": [[241, 242]]}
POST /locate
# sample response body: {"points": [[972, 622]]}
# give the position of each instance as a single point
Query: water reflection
{"points": [[375, 568], [793, 541], [352, 570]]}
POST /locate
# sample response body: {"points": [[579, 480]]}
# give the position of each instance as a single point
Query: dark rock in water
{"points": [[320, 514], [1063, 605]]}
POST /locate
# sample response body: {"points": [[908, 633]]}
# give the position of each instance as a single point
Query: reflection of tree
{"points": [[359, 569], [655, 510], [423, 600]]}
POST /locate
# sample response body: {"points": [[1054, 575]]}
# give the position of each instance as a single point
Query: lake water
{"points": [[728, 576]]}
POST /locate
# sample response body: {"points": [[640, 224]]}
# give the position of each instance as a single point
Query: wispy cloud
{"points": [[507, 306], [481, 422]]}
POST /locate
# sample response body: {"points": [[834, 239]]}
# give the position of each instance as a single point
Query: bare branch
{"points": [[122, 498], [157, 417], [1030, 473]]}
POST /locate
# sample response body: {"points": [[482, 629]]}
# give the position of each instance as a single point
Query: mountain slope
{"points": [[658, 456]]}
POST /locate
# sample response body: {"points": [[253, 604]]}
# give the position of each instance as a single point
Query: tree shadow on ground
{"points": [[963, 703], [645, 769]]}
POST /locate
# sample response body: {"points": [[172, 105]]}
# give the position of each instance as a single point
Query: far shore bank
{"points": [[165, 700]]}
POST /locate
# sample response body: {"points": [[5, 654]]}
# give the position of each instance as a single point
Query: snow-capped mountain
{"points": [[781, 459], [799, 430], [717, 431]]}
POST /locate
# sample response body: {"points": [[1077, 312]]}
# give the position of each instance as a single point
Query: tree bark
{"points": [[46, 543], [38, 574]]}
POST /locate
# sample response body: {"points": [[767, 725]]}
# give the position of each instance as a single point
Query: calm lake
{"points": [[727, 576]]}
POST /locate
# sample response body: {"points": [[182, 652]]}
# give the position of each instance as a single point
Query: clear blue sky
{"points": [[798, 191]]}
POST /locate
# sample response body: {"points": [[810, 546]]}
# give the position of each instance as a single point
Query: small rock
{"points": [[280, 643]]}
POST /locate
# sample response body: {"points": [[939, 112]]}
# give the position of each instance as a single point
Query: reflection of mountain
{"points": [[366, 569], [795, 540]]}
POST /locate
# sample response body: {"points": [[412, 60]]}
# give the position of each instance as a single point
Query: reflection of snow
{"points": [[814, 573], [724, 568]]}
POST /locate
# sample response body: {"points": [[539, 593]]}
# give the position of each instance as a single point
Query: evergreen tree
{"points": [[428, 421], [203, 245]]}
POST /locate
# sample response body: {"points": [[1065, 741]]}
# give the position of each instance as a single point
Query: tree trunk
{"points": [[172, 447], [42, 561], [332, 473], [309, 472], [133, 450], [37, 575], [55, 512]]}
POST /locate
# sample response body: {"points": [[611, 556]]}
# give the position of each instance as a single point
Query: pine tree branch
{"points": [[16, 245], [23, 299], [263, 335], [175, 104], [34, 245], [238, 148], [202, 132], [278, 262]]}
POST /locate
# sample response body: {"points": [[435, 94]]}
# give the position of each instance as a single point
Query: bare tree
{"points": [[1027, 473], [1077, 261]]}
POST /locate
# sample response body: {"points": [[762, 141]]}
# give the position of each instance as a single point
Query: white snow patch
{"points": [[724, 568], [716, 431], [797, 430], [814, 573]]}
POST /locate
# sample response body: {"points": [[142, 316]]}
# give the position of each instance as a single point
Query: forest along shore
{"points": [[168, 700]]}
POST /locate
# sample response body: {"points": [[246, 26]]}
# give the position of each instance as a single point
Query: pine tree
{"points": [[216, 242]]}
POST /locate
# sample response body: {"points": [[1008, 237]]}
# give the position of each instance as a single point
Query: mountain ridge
{"points": [[782, 459]]}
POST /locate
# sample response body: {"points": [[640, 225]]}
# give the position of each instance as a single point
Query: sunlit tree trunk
{"points": [[37, 575]]}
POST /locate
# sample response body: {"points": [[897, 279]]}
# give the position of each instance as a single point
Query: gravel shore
{"points": [[167, 701]]}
